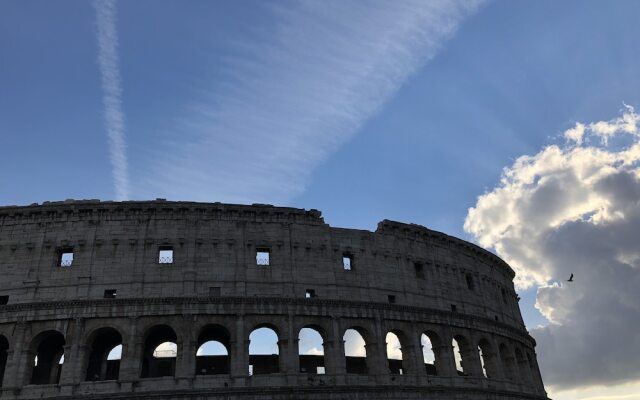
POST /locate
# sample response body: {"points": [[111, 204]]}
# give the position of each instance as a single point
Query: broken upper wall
{"points": [[220, 250]]}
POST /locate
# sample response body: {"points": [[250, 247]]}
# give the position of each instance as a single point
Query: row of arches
{"points": [[503, 363], [355, 351]]}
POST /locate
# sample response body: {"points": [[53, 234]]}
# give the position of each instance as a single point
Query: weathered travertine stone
{"points": [[404, 279]]}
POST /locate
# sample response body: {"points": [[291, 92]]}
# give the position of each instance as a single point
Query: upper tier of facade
{"points": [[221, 250]]}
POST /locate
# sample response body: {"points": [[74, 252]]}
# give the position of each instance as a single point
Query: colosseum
{"points": [[117, 300]]}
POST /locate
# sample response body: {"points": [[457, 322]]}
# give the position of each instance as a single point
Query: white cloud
{"points": [[394, 350], [310, 342], [166, 350], [294, 95], [629, 391], [354, 344], [576, 133], [107, 36], [575, 209]]}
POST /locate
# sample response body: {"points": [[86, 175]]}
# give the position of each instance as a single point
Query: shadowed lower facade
{"points": [[118, 299]]}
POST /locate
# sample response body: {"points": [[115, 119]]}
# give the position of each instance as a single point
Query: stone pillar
{"points": [[83, 354], [186, 358], [334, 357], [537, 378], [471, 361], [492, 363], [377, 351], [288, 356], [17, 361], [239, 351], [288, 347], [70, 365], [445, 362], [525, 373], [131, 358], [414, 357]]}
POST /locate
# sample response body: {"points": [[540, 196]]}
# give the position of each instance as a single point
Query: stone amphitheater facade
{"points": [[80, 278]]}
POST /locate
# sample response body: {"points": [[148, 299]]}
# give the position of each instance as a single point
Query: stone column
{"points": [[288, 357], [69, 365], [239, 351], [17, 361], [471, 361], [537, 378], [290, 360], [492, 363], [445, 362], [334, 357], [131, 357], [377, 363], [525, 373], [414, 357], [186, 358], [69, 369]]}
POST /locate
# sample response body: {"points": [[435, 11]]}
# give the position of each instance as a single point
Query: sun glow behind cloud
{"points": [[575, 209], [294, 95]]}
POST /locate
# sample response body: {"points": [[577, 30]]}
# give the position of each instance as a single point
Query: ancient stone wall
{"points": [[80, 277]]}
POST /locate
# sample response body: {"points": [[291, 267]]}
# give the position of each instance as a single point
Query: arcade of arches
{"points": [[161, 351]]}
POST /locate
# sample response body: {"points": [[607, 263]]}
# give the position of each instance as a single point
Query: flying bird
{"points": [[570, 278]]}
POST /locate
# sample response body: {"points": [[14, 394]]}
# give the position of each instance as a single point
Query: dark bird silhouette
{"points": [[570, 278]]}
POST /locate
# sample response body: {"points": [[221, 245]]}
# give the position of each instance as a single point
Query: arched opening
{"points": [[460, 347], [394, 353], [355, 352], [428, 355], [160, 352], [263, 351], [487, 359], [507, 362], [48, 348], [311, 351], [4, 346], [523, 367], [105, 351], [212, 356]]}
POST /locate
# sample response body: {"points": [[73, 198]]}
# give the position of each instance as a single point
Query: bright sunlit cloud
{"points": [[575, 209]]}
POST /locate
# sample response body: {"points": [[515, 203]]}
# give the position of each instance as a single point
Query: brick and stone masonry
{"points": [[79, 279]]}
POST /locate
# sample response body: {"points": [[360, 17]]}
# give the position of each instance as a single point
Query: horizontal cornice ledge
{"points": [[326, 303]]}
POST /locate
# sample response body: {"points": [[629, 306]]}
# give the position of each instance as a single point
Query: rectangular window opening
{"points": [[347, 262], [165, 255], [454, 308], [250, 369], [392, 298], [310, 293], [65, 257], [110, 293], [4, 300], [214, 291], [419, 270], [263, 256], [470, 284], [320, 370]]}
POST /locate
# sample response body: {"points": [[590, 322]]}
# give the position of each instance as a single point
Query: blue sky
{"points": [[364, 110]]}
